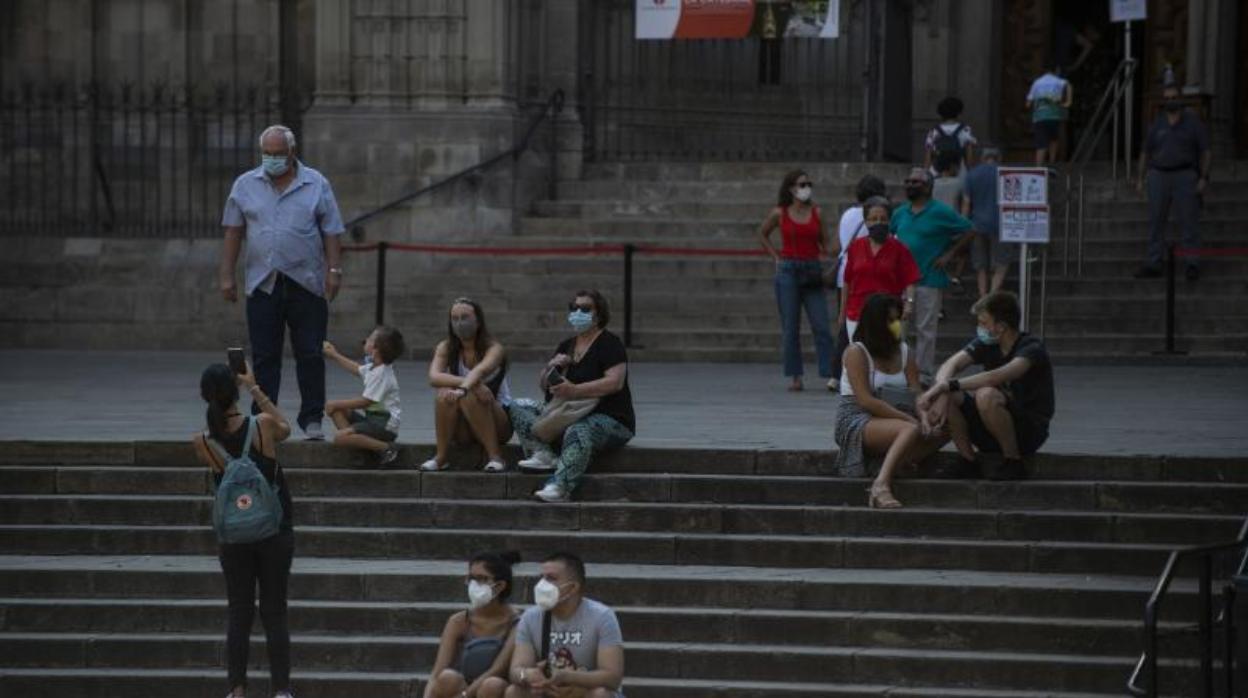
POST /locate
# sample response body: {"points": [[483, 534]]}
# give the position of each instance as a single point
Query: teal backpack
{"points": [[247, 508]]}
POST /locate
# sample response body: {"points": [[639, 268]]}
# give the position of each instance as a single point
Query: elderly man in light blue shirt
{"points": [[288, 215]]}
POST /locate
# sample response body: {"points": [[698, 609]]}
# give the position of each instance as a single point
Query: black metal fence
{"points": [[125, 160], [723, 99]]}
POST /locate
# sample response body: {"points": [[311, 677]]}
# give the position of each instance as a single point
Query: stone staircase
{"points": [[736, 573], [122, 294], [689, 308]]}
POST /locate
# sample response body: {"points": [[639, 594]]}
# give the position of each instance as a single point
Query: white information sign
{"points": [[1128, 10], [1025, 224], [1023, 186], [832, 23]]}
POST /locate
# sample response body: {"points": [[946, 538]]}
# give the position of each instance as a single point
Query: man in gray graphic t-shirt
{"points": [[586, 649]]}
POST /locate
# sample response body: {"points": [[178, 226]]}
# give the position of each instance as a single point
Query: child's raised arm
{"points": [[347, 364]]}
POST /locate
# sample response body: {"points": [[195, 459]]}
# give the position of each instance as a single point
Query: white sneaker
{"points": [[313, 431], [552, 492], [540, 461], [432, 465], [495, 466], [834, 384]]}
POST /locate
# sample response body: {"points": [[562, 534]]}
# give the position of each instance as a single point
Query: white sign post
{"points": [[1023, 197], [1127, 11]]}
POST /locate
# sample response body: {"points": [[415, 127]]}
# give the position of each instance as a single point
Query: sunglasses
{"points": [[586, 308], [804, 185]]}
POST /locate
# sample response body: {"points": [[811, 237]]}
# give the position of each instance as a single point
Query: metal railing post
{"points": [[1150, 648], [381, 282], [1079, 232], [629, 250], [1066, 235], [1228, 659], [1170, 268], [1206, 625]]}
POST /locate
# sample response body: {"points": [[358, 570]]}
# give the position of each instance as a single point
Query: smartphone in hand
{"points": [[554, 377], [236, 359]]}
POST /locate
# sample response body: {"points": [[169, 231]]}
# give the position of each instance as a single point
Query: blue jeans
{"points": [[791, 296], [307, 315]]}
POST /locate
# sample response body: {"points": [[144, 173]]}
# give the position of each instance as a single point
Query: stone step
{"points": [[645, 624], [833, 204], [765, 188], [173, 510], [1120, 496], [648, 548], [958, 592], [156, 683], [72, 456], [1222, 171], [835, 663]]}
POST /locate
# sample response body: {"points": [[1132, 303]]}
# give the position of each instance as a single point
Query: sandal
{"points": [[881, 498]]}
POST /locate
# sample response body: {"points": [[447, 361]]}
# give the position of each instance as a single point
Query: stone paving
{"points": [[1111, 410]]}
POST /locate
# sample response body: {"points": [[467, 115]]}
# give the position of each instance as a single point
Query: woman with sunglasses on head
{"points": [[469, 374], [799, 274], [590, 370], [475, 650]]}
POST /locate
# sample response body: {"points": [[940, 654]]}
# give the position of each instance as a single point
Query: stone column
{"points": [[333, 53], [1196, 38], [561, 71]]}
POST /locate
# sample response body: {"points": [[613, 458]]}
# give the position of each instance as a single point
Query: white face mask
{"points": [[546, 595], [802, 194], [479, 594]]}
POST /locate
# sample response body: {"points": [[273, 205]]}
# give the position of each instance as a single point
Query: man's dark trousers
{"points": [[1177, 188], [307, 315]]}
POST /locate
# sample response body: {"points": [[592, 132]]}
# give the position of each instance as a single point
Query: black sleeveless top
{"points": [[233, 444]]}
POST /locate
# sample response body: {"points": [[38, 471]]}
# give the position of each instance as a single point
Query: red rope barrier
{"points": [[1211, 252], [561, 251]]}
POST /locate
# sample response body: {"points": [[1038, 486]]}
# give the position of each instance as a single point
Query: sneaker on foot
{"points": [[955, 285], [390, 456], [552, 492], [432, 465], [540, 461], [495, 466], [834, 385], [312, 430]]}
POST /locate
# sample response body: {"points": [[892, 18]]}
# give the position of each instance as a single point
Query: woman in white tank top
{"points": [[469, 374], [876, 411]]}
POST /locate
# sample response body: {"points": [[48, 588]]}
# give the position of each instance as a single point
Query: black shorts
{"points": [[1046, 132], [1030, 432], [372, 425]]}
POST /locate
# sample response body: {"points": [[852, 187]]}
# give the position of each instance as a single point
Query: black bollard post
{"points": [[381, 282], [1170, 264], [629, 249]]}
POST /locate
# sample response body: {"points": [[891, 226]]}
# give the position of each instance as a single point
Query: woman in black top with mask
{"points": [[266, 562], [591, 365]]}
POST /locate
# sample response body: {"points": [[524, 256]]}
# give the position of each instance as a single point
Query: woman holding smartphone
{"points": [[266, 562], [591, 365]]}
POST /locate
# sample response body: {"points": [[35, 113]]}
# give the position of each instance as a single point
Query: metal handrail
{"points": [[1148, 658], [1106, 112], [552, 106]]}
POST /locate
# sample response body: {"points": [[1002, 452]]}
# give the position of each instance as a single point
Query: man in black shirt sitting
{"points": [[1007, 407]]}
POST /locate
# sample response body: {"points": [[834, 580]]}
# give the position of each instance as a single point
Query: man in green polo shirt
{"points": [[935, 233]]}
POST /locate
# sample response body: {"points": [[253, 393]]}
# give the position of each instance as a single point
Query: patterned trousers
{"points": [[587, 437]]}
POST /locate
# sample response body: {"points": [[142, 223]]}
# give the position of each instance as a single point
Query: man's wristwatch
{"points": [[954, 386]]}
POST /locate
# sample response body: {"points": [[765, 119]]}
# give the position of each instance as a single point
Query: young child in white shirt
{"points": [[371, 421]]}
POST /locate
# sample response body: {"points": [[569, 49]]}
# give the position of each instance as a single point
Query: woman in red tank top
{"points": [[799, 274]]}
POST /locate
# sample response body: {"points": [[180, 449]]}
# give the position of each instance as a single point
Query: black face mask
{"points": [[915, 192], [878, 232], [1173, 106]]}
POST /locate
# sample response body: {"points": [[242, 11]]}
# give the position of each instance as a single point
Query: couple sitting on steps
{"points": [[1005, 409]]}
